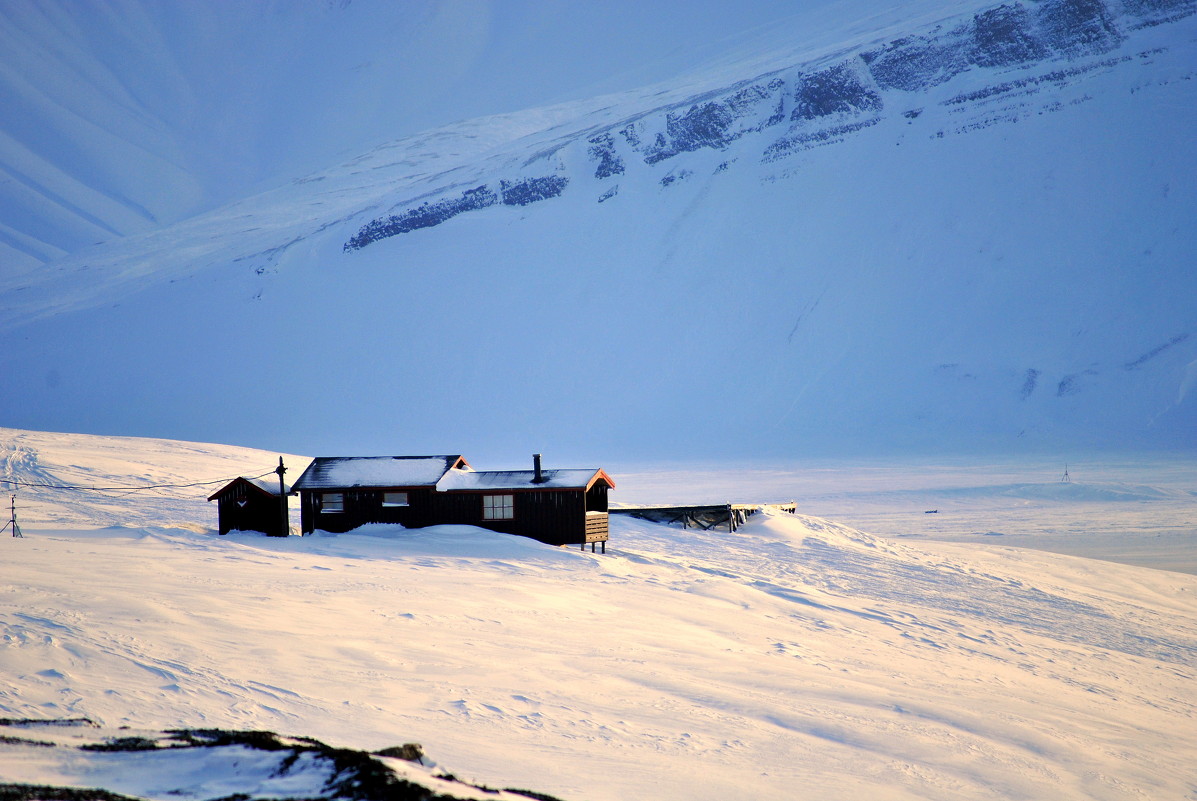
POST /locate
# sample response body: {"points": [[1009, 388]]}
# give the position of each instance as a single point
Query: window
{"points": [[332, 502], [498, 507], [394, 499]]}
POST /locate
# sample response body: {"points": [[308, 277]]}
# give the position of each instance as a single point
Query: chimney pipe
{"points": [[539, 477]]}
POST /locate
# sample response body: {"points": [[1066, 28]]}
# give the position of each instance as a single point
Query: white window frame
{"points": [[332, 503], [498, 507], [392, 499]]}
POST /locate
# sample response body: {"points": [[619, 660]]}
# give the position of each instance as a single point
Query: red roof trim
{"points": [[603, 475]]}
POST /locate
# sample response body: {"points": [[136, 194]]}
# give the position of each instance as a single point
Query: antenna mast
{"points": [[16, 530], [1064, 479]]}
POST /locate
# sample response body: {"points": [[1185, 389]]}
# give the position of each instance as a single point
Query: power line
{"points": [[18, 483]]}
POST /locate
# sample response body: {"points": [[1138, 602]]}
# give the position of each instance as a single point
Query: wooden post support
{"points": [[282, 499]]}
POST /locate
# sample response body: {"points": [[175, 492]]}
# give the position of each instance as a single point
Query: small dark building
{"points": [[251, 504], [337, 494], [558, 507]]}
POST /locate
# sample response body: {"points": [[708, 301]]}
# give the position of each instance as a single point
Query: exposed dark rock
{"points": [[678, 175], [352, 775], [805, 140], [1159, 12], [426, 215], [715, 123], [831, 103], [745, 102], [704, 125], [1077, 28], [1029, 84], [531, 190], [602, 150], [998, 37], [631, 132], [1156, 351], [1149, 7], [38, 792], [410, 752], [1003, 37], [122, 744], [1030, 381], [915, 63], [837, 90]]}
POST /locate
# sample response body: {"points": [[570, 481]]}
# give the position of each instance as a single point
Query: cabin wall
{"points": [[556, 517], [596, 498], [364, 506], [246, 509]]}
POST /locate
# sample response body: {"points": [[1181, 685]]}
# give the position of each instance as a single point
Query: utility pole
{"points": [[282, 499], [16, 530]]}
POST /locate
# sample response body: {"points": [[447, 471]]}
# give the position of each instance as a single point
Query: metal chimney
{"points": [[539, 477]]}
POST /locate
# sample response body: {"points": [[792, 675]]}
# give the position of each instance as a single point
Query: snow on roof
{"points": [[332, 472], [520, 479], [267, 484]]}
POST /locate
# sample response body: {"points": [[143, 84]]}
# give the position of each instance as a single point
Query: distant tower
{"points": [[1065, 478]]}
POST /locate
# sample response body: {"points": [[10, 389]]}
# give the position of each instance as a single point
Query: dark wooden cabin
{"points": [[340, 493], [558, 507], [251, 504]]}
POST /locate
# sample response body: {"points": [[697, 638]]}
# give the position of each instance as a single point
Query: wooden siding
{"points": [[598, 526], [244, 507], [596, 497], [555, 517], [364, 506]]}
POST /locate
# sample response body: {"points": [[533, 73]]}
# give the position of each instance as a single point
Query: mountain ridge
{"points": [[989, 258]]}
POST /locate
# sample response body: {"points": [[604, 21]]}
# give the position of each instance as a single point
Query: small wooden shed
{"points": [[252, 504]]}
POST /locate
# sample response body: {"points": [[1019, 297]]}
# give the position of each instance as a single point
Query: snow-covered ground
{"points": [[1133, 509], [798, 658]]}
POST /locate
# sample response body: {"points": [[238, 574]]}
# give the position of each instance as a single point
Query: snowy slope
{"points": [[124, 116], [926, 229], [795, 659], [86, 481]]}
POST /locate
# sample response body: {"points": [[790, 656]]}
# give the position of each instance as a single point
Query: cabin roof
{"points": [[335, 472], [464, 480], [266, 484]]}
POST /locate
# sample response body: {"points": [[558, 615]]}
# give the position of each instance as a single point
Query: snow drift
{"points": [[797, 658]]}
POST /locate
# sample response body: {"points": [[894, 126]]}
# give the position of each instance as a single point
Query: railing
{"points": [[597, 526]]}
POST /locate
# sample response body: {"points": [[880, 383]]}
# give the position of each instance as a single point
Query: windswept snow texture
{"points": [[795, 659], [861, 228]]}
